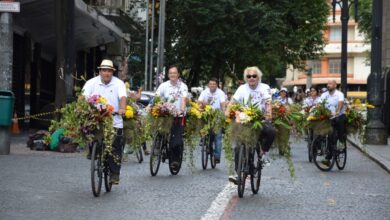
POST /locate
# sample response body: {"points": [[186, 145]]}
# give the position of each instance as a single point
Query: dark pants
{"points": [[339, 130], [176, 141], [114, 162], [267, 136]]}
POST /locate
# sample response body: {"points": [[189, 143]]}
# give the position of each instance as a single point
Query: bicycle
{"points": [[99, 168], [161, 152], [249, 163], [323, 157], [309, 144], [208, 145]]}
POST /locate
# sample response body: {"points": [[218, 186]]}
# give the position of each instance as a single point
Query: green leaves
{"points": [[206, 37]]}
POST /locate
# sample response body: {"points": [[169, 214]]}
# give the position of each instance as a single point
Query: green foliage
{"points": [[208, 37], [365, 18]]}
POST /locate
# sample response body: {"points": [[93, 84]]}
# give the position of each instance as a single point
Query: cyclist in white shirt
{"points": [[217, 99], [335, 103], [175, 91], [114, 90], [258, 93]]}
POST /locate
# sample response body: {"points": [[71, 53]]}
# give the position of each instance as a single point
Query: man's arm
{"points": [[339, 107], [268, 110], [122, 106]]}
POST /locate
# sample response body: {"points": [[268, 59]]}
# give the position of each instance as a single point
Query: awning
{"points": [[319, 81], [355, 94], [91, 27]]}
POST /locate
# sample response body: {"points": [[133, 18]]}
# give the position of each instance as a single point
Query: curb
{"points": [[382, 162]]}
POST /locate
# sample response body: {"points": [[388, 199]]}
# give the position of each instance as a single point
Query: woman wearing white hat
{"points": [[283, 97]]}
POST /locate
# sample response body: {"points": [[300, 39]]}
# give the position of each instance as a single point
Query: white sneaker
{"points": [[266, 160]]}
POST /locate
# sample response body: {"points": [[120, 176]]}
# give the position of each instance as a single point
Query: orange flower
{"points": [[110, 108]]}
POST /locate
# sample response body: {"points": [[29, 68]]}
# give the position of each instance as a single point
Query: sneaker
{"points": [[174, 165], [217, 160], [266, 161], [114, 179], [146, 152], [233, 179]]}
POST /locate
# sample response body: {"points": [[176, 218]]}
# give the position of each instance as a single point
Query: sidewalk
{"points": [[378, 153]]}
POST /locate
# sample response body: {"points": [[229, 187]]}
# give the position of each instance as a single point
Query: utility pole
{"points": [[151, 68], [6, 62], [146, 46], [64, 20], [344, 5], [376, 133], [161, 41]]}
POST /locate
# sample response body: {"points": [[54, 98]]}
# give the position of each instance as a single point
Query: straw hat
{"points": [[107, 64]]}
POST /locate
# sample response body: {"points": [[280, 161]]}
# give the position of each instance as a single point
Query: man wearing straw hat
{"points": [[114, 90]]}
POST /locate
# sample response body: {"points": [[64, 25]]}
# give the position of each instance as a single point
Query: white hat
{"points": [[284, 89], [107, 64]]}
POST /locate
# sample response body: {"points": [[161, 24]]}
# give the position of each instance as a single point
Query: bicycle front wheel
{"points": [[205, 155], [211, 151], [139, 155], [155, 156], [175, 171], [341, 156], [323, 157], [241, 171], [96, 170], [256, 167]]}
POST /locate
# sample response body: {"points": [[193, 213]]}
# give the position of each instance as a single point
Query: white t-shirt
{"points": [[309, 101], [332, 101], [285, 101], [259, 96], [214, 99], [173, 93], [113, 92]]}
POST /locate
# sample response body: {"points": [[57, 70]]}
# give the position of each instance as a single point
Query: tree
{"points": [[365, 18], [206, 37]]}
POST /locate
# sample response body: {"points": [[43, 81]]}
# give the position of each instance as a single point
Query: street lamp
{"points": [[345, 6], [376, 131]]}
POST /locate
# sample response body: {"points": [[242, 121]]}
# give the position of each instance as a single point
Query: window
{"points": [[334, 65], [335, 34], [351, 33], [315, 66]]}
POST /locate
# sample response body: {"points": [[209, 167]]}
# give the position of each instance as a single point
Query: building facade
{"points": [[57, 43], [329, 65]]}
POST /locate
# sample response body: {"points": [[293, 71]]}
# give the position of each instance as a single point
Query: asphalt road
{"points": [[57, 186]]}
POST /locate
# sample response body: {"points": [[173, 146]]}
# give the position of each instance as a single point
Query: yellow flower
{"points": [[370, 106], [208, 108], [195, 112], [127, 85], [311, 118], [228, 120], [102, 100], [129, 114], [128, 107]]}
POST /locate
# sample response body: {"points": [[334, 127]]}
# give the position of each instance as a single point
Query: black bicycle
{"points": [[325, 158], [99, 168], [249, 163], [309, 144], [162, 152], [208, 145]]}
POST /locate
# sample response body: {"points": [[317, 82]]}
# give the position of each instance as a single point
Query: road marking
{"points": [[220, 204]]}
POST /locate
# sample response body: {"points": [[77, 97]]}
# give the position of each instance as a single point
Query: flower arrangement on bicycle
{"points": [[84, 119], [161, 115], [248, 120], [318, 119], [356, 119], [134, 126], [285, 118]]}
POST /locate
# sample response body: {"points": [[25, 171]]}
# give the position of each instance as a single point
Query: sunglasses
{"points": [[251, 76]]}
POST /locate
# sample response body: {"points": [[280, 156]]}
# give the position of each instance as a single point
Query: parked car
{"points": [[146, 98]]}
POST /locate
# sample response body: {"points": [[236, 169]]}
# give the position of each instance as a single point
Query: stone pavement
{"points": [[379, 153]]}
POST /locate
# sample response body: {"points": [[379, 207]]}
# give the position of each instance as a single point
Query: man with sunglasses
{"points": [[257, 93]]}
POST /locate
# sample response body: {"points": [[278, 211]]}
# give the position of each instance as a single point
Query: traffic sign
{"points": [[9, 6]]}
